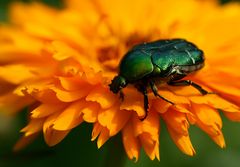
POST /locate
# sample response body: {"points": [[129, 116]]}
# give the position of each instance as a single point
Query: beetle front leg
{"points": [[121, 95], [189, 83], [145, 105], [143, 90], [155, 91]]}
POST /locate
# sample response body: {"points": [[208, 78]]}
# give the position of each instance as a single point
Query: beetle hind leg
{"points": [[189, 83], [155, 91]]}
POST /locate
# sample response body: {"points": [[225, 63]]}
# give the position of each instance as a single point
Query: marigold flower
{"points": [[60, 62]]}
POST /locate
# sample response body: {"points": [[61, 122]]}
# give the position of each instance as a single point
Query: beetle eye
{"points": [[123, 84]]}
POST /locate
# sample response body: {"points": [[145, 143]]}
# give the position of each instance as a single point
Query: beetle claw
{"points": [[121, 96], [215, 93], [142, 119]]}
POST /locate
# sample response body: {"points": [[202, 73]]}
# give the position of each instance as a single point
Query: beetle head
{"points": [[117, 84]]}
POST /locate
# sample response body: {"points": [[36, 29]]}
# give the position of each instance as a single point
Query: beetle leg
{"points": [[143, 90], [155, 91], [188, 83], [121, 95], [145, 105]]}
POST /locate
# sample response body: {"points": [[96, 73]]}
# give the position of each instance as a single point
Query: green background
{"points": [[78, 150]]}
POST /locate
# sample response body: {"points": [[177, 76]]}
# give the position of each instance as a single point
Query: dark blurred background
{"points": [[78, 150]]}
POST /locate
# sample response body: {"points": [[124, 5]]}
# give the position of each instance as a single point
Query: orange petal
{"points": [[70, 67], [176, 120], [103, 96], [215, 101], [209, 120], [183, 108], [96, 130], [24, 141], [219, 140], [40, 90], [150, 124], [15, 45], [113, 118], [34, 126], [45, 96], [11, 103], [52, 136], [103, 137], [150, 134], [63, 51], [67, 96], [232, 98], [151, 147], [184, 91], [105, 115], [130, 141], [16, 74], [233, 116], [182, 141], [161, 106], [166, 93], [207, 115], [228, 85], [45, 110], [70, 117], [72, 83], [133, 101], [118, 122], [92, 77], [90, 112]]}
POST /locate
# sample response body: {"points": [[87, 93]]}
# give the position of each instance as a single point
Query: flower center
{"points": [[111, 55]]}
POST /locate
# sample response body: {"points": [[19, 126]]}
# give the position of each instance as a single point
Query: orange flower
{"points": [[61, 61]]}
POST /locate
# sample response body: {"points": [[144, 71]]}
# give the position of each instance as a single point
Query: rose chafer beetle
{"points": [[164, 61]]}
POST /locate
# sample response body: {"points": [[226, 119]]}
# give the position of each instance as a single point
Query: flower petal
{"points": [[161, 106], [96, 130], [151, 147], [72, 83], [15, 73], [209, 120], [7, 100], [67, 96], [219, 140], [206, 114], [118, 122], [176, 121], [233, 116], [70, 117], [133, 101], [113, 119], [103, 96], [34, 126], [130, 141], [103, 137], [216, 102], [166, 93], [46, 109], [24, 141], [182, 141], [90, 112], [150, 134], [39, 90], [52, 136]]}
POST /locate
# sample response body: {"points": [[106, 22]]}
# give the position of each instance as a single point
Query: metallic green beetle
{"points": [[165, 61]]}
